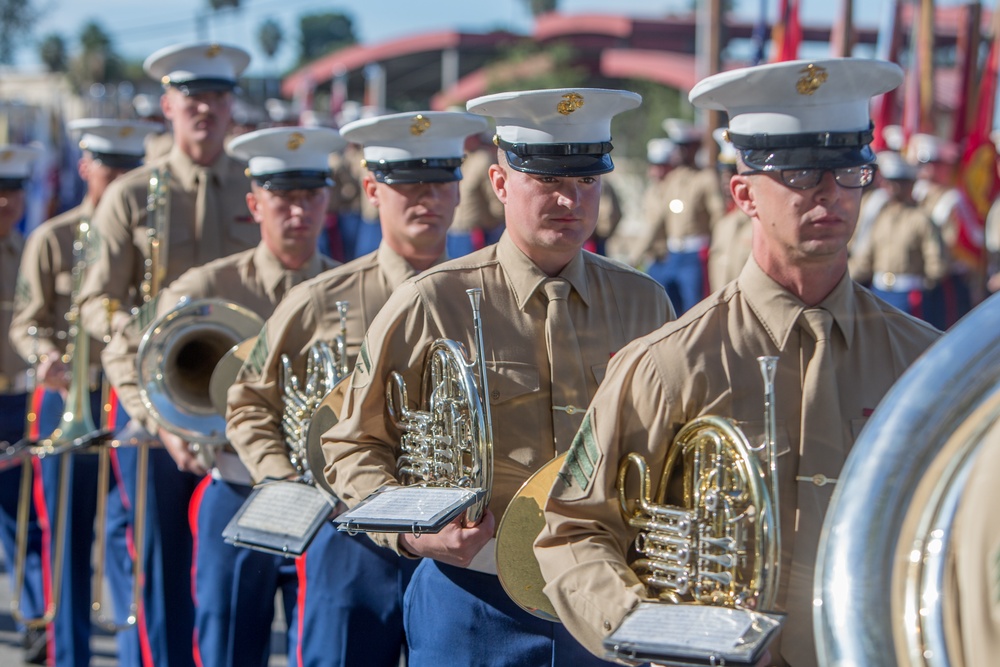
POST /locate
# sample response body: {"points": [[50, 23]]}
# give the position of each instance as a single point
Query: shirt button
{"points": [[607, 626]]}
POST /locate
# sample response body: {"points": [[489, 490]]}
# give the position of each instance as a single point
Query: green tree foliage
{"points": [[17, 17], [320, 34], [97, 62], [527, 66], [539, 7], [269, 35], [52, 52]]}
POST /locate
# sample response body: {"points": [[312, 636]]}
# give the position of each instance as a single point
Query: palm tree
{"points": [[52, 51]]}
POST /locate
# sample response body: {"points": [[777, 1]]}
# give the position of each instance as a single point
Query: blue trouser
{"points": [[12, 411], [359, 236], [167, 632], [350, 602], [235, 587], [948, 301], [456, 616], [682, 274], [70, 629], [905, 301]]}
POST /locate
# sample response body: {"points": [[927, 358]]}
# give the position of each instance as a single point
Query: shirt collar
{"points": [[394, 266], [272, 272], [526, 278], [185, 170], [779, 310]]}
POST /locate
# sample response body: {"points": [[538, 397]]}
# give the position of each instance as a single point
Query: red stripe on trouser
{"points": [[37, 396], [112, 407], [916, 301], [300, 603], [193, 508], [145, 650], [45, 524]]}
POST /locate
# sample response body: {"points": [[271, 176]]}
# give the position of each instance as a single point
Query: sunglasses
{"points": [[804, 179]]}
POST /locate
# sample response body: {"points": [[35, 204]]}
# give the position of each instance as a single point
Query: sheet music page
{"points": [[284, 509], [416, 503], [694, 627]]}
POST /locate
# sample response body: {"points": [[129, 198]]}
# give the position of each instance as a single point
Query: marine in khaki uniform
{"points": [[803, 198], [679, 230], [554, 146], [110, 148], [234, 588], [412, 178], [902, 257], [207, 188], [16, 163], [207, 219]]}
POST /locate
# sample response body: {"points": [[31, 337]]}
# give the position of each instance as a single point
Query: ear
{"points": [[254, 205], [743, 194], [370, 187], [165, 106], [498, 179], [83, 168]]}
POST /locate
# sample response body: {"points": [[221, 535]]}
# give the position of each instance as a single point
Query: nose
{"points": [[568, 194], [828, 188]]}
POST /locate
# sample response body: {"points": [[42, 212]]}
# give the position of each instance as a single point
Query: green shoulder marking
{"points": [[258, 355], [578, 471]]}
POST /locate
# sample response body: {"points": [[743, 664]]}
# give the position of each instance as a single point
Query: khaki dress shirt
{"points": [[732, 242], [902, 241], [254, 279], [706, 364], [687, 202], [309, 314], [45, 288], [610, 304], [12, 366], [120, 224]]}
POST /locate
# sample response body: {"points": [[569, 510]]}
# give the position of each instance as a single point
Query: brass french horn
{"points": [[720, 547]]}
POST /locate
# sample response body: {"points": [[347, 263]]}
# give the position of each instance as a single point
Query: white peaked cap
{"points": [[16, 163], [682, 131], [659, 150], [199, 66], [424, 146], [109, 137], [561, 131], [285, 158], [894, 167]]}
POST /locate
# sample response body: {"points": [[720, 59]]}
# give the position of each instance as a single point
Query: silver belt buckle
{"points": [[818, 479]]}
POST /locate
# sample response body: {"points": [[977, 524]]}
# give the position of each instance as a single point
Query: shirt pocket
{"points": [[510, 379]]}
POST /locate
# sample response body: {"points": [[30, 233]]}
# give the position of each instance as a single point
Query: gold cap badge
{"points": [[295, 141], [569, 103], [6, 156], [813, 76], [213, 50], [420, 125], [126, 132]]}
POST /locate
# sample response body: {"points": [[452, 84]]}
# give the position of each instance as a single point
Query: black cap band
{"points": [[305, 179], [569, 160], [116, 160], [425, 170], [13, 183], [195, 86], [803, 140]]}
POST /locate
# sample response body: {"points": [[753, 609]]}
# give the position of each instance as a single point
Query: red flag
{"points": [[890, 37], [977, 176], [786, 35]]}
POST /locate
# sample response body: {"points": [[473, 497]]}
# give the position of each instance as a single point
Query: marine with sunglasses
{"points": [[802, 130]]}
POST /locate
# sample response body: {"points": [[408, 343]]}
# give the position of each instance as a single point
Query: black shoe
{"points": [[36, 647]]}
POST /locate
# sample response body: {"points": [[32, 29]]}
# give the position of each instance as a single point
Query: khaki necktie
{"points": [[821, 456], [569, 382], [207, 218]]}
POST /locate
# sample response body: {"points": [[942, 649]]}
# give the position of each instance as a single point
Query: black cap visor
{"points": [[195, 86], [117, 160], [431, 170], [294, 180], [559, 159], [13, 183], [770, 159]]}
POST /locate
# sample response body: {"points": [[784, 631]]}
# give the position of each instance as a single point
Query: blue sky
{"points": [[139, 27]]}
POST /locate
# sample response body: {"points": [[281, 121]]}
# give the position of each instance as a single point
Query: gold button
{"points": [[607, 626], [889, 278]]}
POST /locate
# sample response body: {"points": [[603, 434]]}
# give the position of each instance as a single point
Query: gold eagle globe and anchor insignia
{"points": [[295, 141], [813, 76], [420, 125], [213, 51], [570, 102]]}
